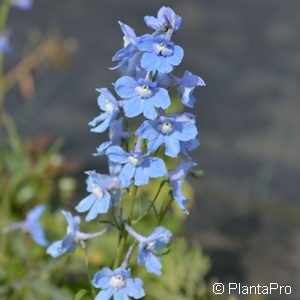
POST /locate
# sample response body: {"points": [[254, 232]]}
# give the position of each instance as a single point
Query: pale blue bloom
{"points": [[160, 54], [168, 131], [143, 97], [186, 86], [176, 179], [107, 103], [32, 225], [117, 284], [137, 166], [22, 4], [99, 200], [167, 22], [73, 236], [148, 246]]}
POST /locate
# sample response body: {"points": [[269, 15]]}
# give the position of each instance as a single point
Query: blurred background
{"points": [[247, 209]]}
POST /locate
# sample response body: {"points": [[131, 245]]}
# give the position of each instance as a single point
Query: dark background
{"points": [[247, 210]]}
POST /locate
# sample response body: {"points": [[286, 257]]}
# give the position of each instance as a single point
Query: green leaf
{"points": [[79, 295]]}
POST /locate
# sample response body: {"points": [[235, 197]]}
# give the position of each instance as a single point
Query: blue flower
{"points": [[167, 22], [73, 236], [186, 87], [148, 246], [137, 166], [22, 4], [110, 106], [160, 54], [167, 131], [176, 179], [143, 97], [99, 200], [4, 42], [116, 134], [31, 225], [129, 49], [117, 284]]}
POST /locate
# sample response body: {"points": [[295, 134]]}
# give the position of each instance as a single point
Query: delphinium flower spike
{"points": [[32, 225], [72, 238]]}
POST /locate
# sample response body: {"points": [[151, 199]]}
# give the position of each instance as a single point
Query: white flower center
{"points": [[109, 107], [163, 49], [166, 127], [134, 160], [144, 91], [97, 191], [151, 246], [117, 281]]}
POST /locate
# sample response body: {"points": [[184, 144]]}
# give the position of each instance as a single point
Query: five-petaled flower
{"points": [[117, 284], [148, 246], [166, 23], [160, 54], [137, 166], [99, 200], [143, 97], [73, 236], [168, 131]]}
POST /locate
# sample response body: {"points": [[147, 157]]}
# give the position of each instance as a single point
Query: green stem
{"points": [[165, 210], [86, 262], [151, 204], [124, 234]]}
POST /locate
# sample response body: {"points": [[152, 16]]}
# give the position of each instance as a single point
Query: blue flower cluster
{"points": [[135, 155]]}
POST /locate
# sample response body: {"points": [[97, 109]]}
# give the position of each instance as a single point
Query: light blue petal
{"points": [[177, 56], [117, 154], [104, 125], [35, 213], [152, 263], [156, 168], [101, 279], [185, 131], [126, 175], [179, 197], [120, 294], [152, 62], [85, 204], [154, 144], [152, 22], [161, 99], [147, 130], [38, 234], [172, 146], [104, 203], [134, 107], [105, 294], [55, 249], [134, 288], [140, 177], [98, 119], [125, 87], [149, 110], [69, 243]]}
